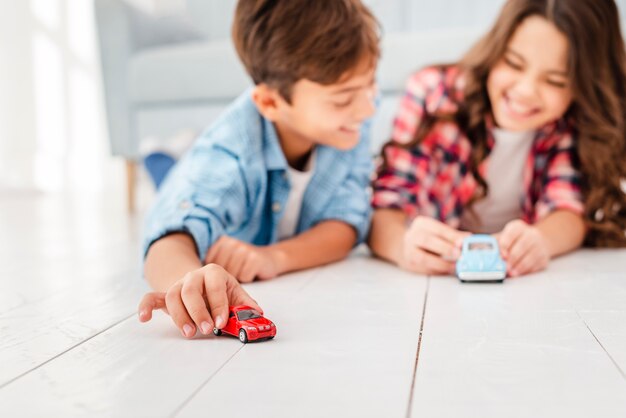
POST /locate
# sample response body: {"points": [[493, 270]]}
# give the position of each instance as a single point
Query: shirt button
{"points": [[276, 207], [184, 204]]}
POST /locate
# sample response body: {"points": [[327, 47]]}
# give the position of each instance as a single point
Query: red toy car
{"points": [[247, 324]]}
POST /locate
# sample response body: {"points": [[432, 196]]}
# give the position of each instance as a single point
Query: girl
{"points": [[524, 138]]}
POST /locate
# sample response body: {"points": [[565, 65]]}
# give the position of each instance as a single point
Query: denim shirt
{"points": [[234, 182]]}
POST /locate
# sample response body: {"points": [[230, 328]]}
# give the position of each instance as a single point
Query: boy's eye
{"points": [[343, 104]]}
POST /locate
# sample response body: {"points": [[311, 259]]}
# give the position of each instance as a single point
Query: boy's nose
{"points": [[366, 104]]}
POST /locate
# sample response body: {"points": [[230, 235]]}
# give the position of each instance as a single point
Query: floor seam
{"points": [[419, 346], [211, 376], [56, 356], [602, 346]]}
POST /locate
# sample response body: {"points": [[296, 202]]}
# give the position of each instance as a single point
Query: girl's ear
{"points": [[267, 101]]}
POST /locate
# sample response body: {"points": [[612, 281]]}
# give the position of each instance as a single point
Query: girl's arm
{"points": [[426, 246], [563, 231], [529, 248], [387, 234]]}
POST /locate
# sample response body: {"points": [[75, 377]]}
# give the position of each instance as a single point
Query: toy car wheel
{"points": [[217, 332], [243, 337]]}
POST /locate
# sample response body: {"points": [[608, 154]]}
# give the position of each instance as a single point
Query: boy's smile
{"points": [[329, 115]]}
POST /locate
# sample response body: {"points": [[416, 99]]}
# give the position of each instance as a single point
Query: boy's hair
{"points": [[283, 41]]}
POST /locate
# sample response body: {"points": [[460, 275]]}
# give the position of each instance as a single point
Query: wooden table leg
{"points": [[131, 184]]}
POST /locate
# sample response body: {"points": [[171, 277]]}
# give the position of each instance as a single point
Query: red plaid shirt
{"points": [[434, 179]]}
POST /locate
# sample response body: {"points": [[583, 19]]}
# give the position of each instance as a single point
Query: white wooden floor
{"points": [[359, 338]]}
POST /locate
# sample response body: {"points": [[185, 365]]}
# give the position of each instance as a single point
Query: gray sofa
{"points": [[171, 72]]}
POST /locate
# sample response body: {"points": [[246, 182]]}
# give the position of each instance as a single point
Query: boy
{"points": [[279, 182]]}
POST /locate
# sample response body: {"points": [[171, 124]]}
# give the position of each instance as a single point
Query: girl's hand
{"points": [[199, 300], [244, 261], [431, 247], [524, 248]]}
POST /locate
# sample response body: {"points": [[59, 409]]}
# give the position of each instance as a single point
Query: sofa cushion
{"points": [[197, 71]]}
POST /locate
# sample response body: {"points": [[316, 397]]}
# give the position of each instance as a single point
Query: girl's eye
{"points": [[558, 84], [512, 64]]}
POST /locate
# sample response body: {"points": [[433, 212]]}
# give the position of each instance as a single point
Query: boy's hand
{"points": [[199, 300], [244, 261], [431, 247], [523, 247]]}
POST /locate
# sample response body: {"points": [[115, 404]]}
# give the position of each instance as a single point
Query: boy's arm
{"points": [[169, 259], [325, 243]]}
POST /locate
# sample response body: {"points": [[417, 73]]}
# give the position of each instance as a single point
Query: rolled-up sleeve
{"points": [[562, 182], [198, 201]]}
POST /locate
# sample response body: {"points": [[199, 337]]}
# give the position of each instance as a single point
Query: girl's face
{"points": [[529, 86]]}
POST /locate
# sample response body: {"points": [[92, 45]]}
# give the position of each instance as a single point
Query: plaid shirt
{"points": [[434, 178]]}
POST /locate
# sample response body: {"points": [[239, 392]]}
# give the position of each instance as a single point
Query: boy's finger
{"points": [[213, 251], [192, 294], [215, 286], [238, 296], [236, 260], [248, 271], [178, 312], [225, 253], [150, 302]]}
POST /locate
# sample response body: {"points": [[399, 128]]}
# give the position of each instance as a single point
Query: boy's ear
{"points": [[267, 100]]}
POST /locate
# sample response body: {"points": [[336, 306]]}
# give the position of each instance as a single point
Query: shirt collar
{"points": [[545, 138], [273, 153]]}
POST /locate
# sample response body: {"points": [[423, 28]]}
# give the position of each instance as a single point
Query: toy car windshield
{"points": [[480, 246], [248, 314]]}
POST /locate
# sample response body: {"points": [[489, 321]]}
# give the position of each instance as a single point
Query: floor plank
{"points": [[516, 349], [346, 347]]}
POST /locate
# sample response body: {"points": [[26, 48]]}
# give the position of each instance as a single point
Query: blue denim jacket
{"points": [[234, 181]]}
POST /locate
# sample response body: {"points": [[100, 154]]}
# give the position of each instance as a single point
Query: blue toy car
{"points": [[480, 260]]}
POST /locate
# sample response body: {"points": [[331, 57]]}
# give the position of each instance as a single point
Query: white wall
{"points": [[52, 130]]}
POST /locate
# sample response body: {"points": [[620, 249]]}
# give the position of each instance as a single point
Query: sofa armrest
{"points": [[122, 31]]}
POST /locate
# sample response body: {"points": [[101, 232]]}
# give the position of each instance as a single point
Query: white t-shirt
{"points": [[505, 170], [299, 180]]}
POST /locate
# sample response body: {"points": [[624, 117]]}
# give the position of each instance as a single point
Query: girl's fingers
{"points": [[529, 263], [425, 263], [438, 246], [192, 295], [520, 248], [511, 233], [150, 302], [178, 312]]}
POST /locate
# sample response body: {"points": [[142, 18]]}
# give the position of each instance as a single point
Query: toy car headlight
{"points": [[251, 328]]}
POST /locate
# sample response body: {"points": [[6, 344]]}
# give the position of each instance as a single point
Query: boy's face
{"points": [[529, 86], [329, 115]]}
